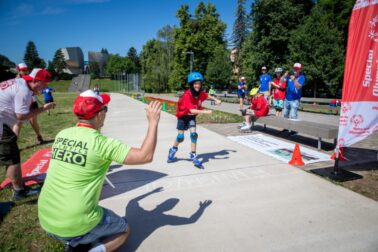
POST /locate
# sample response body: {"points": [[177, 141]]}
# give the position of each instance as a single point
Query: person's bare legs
{"points": [[17, 128], [15, 175], [241, 103], [116, 241], [176, 144], [193, 146], [35, 125]]}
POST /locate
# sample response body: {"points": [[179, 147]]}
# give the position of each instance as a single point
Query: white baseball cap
{"points": [[22, 67], [297, 66]]}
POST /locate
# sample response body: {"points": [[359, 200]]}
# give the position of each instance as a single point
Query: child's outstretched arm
{"points": [[217, 101], [197, 111]]}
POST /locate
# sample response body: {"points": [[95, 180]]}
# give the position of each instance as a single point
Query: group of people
{"points": [[284, 92]]}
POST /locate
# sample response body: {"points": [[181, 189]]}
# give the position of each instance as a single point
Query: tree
{"points": [[51, 69], [219, 69], [94, 69], [117, 64], [133, 56], [273, 22], [5, 68], [58, 63], [323, 63], [240, 31], [104, 51], [150, 66], [31, 57], [199, 33]]}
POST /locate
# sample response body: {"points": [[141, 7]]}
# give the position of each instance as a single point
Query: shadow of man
{"points": [[143, 223]]}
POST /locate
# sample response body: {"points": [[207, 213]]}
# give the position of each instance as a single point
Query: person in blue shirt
{"points": [[242, 87], [264, 79], [47, 95], [294, 86]]}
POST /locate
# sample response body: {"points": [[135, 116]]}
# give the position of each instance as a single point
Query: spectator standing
{"points": [[212, 94], [264, 80], [47, 96], [279, 88], [242, 88], [295, 82]]}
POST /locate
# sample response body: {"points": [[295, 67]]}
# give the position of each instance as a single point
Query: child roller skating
{"points": [[188, 107]]}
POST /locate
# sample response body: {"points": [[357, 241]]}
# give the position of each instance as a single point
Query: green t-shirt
{"points": [[68, 204], [211, 91]]}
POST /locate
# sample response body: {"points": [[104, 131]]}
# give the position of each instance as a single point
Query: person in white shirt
{"points": [[15, 99]]}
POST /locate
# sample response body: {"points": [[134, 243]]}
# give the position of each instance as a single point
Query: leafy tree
{"points": [[117, 64], [273, 22], [5, 68], [219, 68], [31, 57], [240, 31], [150, 66], [199, 33], [133, 56], [323, 63], [58, 63], [94, 69]]}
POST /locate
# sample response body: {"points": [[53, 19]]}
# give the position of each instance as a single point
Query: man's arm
{"points": [[145, 153], [197, 111], [34, 112]]}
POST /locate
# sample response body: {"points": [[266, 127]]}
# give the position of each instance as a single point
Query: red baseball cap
{"points": [[22, 67], [88, 104], [38, 74], [297, 66]]}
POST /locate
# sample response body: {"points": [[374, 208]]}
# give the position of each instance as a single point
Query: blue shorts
{"points": [[186, 122], [278, 104], [109, 225]]}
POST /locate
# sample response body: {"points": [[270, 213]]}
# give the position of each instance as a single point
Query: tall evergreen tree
{"points": [[31, 57], [240, 31], [58, 63], [104, 51], [132, 54]]}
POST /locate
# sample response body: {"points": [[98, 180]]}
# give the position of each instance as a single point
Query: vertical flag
{"points": [[359, 105]]}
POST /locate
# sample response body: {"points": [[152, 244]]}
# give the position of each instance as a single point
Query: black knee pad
{"points": [[193, 137]]}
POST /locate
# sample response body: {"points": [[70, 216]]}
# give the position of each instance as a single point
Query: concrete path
{"points": [[250, 202]]}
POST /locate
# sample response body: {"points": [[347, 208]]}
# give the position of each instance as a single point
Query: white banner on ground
{"points": [[279, 149]]}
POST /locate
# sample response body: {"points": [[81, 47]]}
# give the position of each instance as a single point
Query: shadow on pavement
{"points": [[127, 180], [35, 145], [213, 155], [143, 223]]}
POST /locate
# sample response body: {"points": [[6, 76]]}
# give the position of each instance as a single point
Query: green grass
{"points": [[106, 85], [61, 85], [20, 230]]}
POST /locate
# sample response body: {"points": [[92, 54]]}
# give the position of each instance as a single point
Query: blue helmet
{"points": [[195, 76]]}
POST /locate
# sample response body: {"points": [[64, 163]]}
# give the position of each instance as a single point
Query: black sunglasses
{"points": [[105, 109]]}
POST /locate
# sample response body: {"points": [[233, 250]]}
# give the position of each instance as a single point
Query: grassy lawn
{"points": [[20, 230], [106, 85], [61, 85]]}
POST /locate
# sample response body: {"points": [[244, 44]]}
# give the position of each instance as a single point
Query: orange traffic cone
{"points": [[341, 155], [296, 159]]}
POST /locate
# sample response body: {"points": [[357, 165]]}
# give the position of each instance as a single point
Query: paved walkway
{"points": [[257, 203]]}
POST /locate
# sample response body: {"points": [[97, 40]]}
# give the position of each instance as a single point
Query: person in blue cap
{"points": [[188, 107]]}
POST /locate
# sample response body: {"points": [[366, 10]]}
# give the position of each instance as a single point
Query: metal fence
{"points": [[128, 82]]}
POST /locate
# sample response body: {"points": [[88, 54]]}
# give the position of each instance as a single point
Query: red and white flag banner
{"points": [[34, 169], [359, 112]]}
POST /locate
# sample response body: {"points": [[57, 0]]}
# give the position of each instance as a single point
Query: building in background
{"points": [[74, 59], [98, 58]]}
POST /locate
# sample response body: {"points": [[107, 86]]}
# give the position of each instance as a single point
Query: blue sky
{"points": [[91, 24]]}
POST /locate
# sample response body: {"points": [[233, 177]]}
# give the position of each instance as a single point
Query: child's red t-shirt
{"points": [[188, 102], [279, 93], [260, 106]]}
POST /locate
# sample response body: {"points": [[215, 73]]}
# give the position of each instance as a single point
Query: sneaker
{"points": [[195, 160], [171, 154], [242, 125], [40, 139], [246, 127], [25, 192]]}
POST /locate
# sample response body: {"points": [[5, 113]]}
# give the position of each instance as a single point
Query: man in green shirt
{"points": [[68, 206], [212, 93]]}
